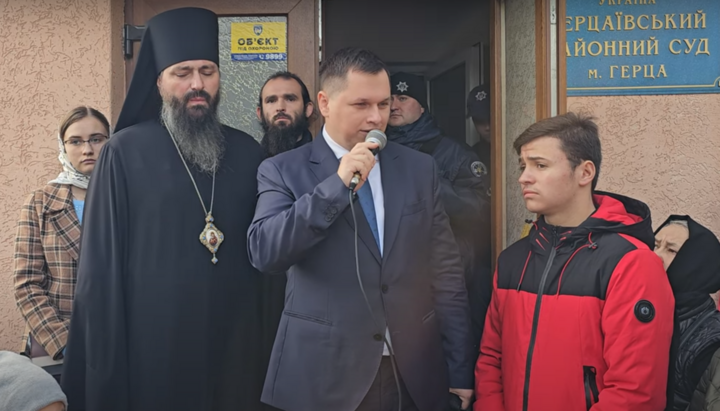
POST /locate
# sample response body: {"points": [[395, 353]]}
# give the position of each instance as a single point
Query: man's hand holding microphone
{"points": [[355, 166]]}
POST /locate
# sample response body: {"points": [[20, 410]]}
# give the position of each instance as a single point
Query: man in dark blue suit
{"points": [[333, 348]]}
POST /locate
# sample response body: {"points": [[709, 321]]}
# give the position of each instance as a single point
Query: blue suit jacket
{"points": [[327, 351]]}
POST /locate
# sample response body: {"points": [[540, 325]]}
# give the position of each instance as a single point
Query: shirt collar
{"points": [[337, 149]]}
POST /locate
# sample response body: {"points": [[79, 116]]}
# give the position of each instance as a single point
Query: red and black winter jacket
{"points": [[580, 319]]}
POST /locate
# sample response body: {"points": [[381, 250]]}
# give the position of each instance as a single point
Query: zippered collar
{"points": [[614, 214]]}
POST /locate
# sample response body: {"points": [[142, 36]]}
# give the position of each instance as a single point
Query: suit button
{"points": [[332, 210], [328, 217], [384, 288], [377, 337]]}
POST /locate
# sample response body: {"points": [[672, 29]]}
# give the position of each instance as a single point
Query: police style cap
{"points": [[478, 103], [410, 85], [170, 37]]}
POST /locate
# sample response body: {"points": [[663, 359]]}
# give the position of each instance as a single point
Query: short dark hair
{"points": [[578, 135], [337, 66], [287, 76], [79, 113]]}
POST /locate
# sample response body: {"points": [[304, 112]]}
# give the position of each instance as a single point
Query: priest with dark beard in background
{"points": [[285, 111], [167, 306]]}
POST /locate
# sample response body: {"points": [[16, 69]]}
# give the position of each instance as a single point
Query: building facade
{"points": [[663, 149]]}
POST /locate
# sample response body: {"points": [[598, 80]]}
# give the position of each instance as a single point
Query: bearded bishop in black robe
{"points": [[166, 311]]}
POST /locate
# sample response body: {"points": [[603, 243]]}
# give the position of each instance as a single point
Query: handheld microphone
{"points": [[374, 136]]}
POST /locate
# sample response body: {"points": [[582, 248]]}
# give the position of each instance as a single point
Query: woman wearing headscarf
{"points": [[48, 236], [691, 256]]}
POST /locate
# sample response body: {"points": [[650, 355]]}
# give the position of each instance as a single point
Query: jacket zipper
{"points": [[591, 389], [536, 317]]}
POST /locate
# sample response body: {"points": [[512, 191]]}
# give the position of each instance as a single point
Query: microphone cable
{"points": [[367, 301]]}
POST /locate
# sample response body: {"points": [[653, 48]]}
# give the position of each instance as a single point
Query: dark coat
{"points": [[156, 325], [328, 348], [464, 189]]}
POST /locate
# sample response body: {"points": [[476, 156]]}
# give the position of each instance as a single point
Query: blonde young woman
{"points": [[48, 236]]}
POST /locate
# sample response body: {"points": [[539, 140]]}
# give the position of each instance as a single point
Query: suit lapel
{"points": [[322, 159], [392, 190], [323, 164], [62, 217]]}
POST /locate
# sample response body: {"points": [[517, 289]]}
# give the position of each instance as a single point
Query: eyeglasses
{"points": [[94, 142]]}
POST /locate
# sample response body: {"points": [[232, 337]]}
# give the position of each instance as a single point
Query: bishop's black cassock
{"points": [[156, 325]]}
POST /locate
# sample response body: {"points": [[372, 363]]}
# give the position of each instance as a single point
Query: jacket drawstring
{"points": [[590, 245], [524, 269]]}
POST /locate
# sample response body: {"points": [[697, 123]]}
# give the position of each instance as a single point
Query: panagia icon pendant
{"points": [[211, 237]]}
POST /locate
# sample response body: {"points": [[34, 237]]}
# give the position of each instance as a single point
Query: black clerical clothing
{"points": [[156, 325]]}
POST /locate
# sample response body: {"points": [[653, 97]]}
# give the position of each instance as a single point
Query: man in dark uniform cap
{"points": [[478, 108], [166, 308], [463, 186]]}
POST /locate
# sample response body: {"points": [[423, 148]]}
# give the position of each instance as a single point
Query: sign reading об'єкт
{"points": [[621, 47], [258, 41]]}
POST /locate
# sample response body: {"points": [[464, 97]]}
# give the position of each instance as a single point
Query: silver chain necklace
{"points": [[211, 237]]}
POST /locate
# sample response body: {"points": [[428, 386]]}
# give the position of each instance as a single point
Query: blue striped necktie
{"points": [[365, 197]]}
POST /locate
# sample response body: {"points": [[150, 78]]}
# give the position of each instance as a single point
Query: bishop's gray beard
{"points": [[196, 130]]}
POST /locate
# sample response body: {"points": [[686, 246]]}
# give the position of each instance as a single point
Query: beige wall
{"points": [[520, 107], [663, 150], [55, 55]]}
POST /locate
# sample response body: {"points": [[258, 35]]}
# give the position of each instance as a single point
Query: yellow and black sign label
{"points": [[258, 41]]}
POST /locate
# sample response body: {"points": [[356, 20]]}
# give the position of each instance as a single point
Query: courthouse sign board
{"points": [[623, 47]]}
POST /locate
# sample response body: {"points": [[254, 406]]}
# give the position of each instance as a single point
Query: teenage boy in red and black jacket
{"points": [[582, 311]]}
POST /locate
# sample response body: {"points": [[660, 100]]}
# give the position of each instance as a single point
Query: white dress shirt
{"points": [[375, 180]]}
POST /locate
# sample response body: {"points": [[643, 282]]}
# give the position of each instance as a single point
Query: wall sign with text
{"points": [[622, 47], [258, 41]]}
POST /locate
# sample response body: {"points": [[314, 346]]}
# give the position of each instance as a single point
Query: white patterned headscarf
{"points": [[69, 175]]}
